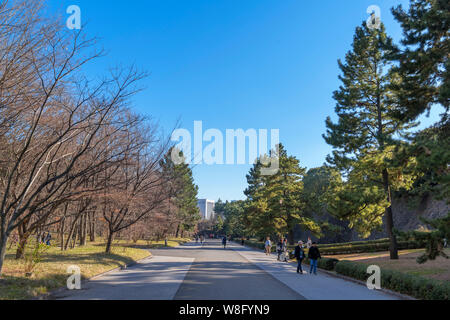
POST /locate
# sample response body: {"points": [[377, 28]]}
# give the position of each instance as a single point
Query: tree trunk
{"points": [[71, 232], [291, 237], [3, 244], [178, 231], [109, 242], [20, 252], [61, 233], [393, 248], [23, 238], [83, 230], [75, 236], [92, 227]]}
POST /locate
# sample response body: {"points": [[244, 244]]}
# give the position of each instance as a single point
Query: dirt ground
{"points": [[438, 269]]}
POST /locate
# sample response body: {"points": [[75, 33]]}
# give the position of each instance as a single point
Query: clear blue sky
{"points": [[234, 64]]}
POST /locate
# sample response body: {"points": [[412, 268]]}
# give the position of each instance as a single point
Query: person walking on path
{"points": [[285, 253], [47, 239], [285, 245], [313, 255], [242, 241], [309, 243], [224, 242], [196, 238], [299, 255], [268, 246], [280, 249]]}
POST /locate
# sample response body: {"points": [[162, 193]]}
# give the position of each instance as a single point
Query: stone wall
{"points": [[406, 217]]}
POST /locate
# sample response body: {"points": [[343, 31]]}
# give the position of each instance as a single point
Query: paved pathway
{"points": [[313, 287], [208, 272]]}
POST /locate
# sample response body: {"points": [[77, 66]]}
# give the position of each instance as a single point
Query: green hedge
{"points": [[339, 244], [371, 247], [416, 286], [325, 263], [258, 245], [351, 247]]}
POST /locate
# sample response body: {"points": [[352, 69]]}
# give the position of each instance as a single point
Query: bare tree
{"points": [[50, 116], [138, 185]]}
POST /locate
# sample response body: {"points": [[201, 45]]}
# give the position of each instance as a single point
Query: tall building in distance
{"points": [[206, 208]]}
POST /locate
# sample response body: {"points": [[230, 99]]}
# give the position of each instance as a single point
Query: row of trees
{"points": [[278, 203], [376, 152], [73, 156], [385, 88], [230, 218]]}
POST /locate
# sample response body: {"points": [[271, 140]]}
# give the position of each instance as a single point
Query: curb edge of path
{"points": [[387, 291], [52, 295], [337, 275]]}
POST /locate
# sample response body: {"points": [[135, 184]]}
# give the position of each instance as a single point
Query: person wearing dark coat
{"points": [[299, 255], [313, 256]]}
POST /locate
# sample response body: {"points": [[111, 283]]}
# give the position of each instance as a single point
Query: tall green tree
{"points": [[258, 219], [184, 192], [317, 182], [234, 224], [430, 147], [365, 136], [423, 66], [423, 62], [219, 224], [276, 202]]}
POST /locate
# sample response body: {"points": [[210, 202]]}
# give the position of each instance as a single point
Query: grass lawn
{"points": [[438, 269], [171, 242], [51, 272]]}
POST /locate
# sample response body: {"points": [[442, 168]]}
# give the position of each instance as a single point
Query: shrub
{"points": [[325, 263], [258, 245], [352, 247], [416, 286], [371, 247], [385, 240]]}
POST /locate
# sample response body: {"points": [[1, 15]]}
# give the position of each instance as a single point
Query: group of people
{"points": [[299, 253], [282, 250], [45, 239], [313, 256], [200, 238]]}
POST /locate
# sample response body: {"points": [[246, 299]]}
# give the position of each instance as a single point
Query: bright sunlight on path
{"points": [[312, 287], [209, 272], [156, 278]]}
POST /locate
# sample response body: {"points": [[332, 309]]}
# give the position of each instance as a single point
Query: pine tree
{"points": [[258, 220], [364, 138], [275, 202], [234, 219], [424, 62], [184, 193], [430, 147], [434, 239], [423, 67]]}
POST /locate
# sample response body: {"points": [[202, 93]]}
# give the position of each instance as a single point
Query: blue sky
{"points": [[233, 64]]}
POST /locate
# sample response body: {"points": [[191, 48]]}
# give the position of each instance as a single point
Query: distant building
{"points": [[206, 208]]}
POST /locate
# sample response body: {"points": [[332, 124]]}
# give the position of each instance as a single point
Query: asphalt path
{"points": [[210, 272]]}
